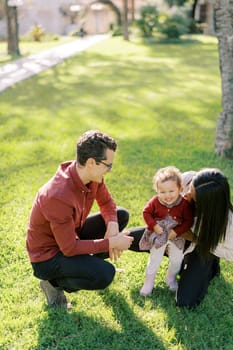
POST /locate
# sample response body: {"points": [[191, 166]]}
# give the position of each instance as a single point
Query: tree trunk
{"points": [[125, 20], [224, 30], [210, 30], [193, 9], [12, 30], [132, 10]]}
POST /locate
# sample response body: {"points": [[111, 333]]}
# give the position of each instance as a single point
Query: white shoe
{"points": [[171, 283], [148, 286]]}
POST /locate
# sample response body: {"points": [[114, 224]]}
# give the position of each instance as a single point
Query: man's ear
{"points": [[90, 162]]}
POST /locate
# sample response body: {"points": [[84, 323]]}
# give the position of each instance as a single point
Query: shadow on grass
{"points": [[63, 330], [196, 328], [134, 334]]}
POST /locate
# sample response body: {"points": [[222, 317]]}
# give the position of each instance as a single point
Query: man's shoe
{"points": [[55, 296]]}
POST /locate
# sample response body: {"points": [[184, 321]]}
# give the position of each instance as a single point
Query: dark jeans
{"points": [[195, 277], [89, 272], [195, 274]]}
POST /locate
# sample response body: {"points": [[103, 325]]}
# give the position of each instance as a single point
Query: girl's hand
{"points": [[158, 229]]}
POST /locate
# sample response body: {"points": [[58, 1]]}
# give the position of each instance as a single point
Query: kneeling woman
{"points": [[210, 190]]}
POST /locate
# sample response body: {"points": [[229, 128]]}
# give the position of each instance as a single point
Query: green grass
{"points": [[31, 47], [161, 102]]}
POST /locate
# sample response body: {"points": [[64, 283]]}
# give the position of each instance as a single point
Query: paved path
{"points": [[24, 68]]}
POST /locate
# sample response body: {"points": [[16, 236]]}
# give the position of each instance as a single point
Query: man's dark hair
{"points": [[93, 144]]}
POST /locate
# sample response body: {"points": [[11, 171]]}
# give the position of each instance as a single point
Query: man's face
{"points": [[99, 169]]}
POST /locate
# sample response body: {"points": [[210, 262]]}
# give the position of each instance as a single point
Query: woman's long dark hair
{"points": [[212, 209]]}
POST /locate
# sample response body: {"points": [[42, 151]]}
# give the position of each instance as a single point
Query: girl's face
{"points": [[168, 191]]}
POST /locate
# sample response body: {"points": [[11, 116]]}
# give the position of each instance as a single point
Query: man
{"points": [[66, 246]]}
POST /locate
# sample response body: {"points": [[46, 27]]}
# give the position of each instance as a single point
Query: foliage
{"points": [[174, 26], [148, 20], [161, 105], [78, 33], [176, 2], [195, 27], [37, 32], [117, 31]]}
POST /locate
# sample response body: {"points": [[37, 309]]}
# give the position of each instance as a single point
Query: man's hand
{"points": [[117, 243], [113, 230]]}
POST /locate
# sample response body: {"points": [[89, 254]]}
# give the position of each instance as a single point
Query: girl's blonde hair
{"points": [[166, 174]]}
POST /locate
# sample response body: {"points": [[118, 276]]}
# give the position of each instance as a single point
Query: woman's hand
{"points": [[172, 234]]}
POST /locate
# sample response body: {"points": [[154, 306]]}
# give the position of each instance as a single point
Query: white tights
{"points": [[156, 256]]}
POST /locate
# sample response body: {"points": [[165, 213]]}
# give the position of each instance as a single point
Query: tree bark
{"points": [[132, 10], [125, 20], [12, 30], [193, 9], [224, 31]]}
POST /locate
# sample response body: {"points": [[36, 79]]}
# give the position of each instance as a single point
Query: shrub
{"points": [[117, 31], [174, 26], [37, 32], [148, 20], [194, 27]]}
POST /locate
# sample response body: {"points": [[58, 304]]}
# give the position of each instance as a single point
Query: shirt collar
{"points": [[76, 178]]}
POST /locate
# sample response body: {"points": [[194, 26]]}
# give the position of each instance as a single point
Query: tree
{"points": [[224, 30], [125, 20], [148, 20], [132, 10], [12, 29], [114, 8]]}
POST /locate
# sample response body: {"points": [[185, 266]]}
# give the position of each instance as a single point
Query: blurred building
{"points": [[65, 16], [93, 16]]}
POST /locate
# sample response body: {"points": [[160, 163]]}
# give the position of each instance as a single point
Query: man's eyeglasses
{"points": [[109, 166]]}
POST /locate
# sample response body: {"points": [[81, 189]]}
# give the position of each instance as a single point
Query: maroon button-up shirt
{"points": [[60, 207]]}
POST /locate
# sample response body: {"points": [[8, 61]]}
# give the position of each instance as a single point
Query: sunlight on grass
{"points": [[161, 102], [31, 47]]}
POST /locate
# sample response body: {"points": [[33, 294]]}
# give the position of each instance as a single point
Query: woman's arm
{"points": [[224, 249]]}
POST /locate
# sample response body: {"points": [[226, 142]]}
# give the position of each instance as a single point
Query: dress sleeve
{"points": [[225, 249], [149, 213]]}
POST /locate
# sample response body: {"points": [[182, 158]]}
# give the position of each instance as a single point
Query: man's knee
{"points": [[123, 217], [106, 277]]}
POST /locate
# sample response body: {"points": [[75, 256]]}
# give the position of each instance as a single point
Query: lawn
{"points": [[31, 47], [161, 102]]}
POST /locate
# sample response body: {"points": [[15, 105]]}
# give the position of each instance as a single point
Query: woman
{"points": [[213, 229]]}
